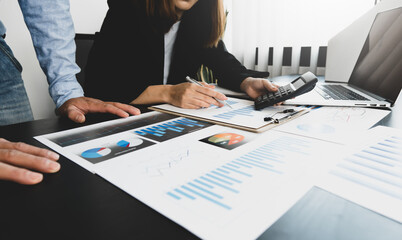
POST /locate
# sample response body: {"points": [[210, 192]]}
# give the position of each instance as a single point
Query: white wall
{"points": [[87, 15], [285, 23]]}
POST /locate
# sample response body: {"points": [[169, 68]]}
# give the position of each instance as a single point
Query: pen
{"points": [[189, 79]]}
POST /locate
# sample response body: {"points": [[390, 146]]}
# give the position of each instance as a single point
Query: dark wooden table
{"points": [[76, 204]]}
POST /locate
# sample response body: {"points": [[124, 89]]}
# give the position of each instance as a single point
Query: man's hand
{"points": [[255, 87], [76, 108], [17, 158]]}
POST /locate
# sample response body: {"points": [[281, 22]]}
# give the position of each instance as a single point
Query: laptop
{"points": [[376, 79]]}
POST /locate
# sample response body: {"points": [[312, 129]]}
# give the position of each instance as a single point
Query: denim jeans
{"points": [[14, 102]]}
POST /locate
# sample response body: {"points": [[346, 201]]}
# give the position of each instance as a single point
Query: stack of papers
{"points": [[226, 183]]}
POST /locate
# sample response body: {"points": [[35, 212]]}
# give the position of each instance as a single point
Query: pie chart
{"points": [[130, 143], [226, 138], [96, 152]]}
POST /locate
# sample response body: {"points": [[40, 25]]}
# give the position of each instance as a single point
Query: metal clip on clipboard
{"points": [[291, 112]]}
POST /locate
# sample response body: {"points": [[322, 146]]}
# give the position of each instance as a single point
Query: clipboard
{"points": [[249, 120]]}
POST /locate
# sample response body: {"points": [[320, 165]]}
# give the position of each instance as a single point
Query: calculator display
{"points": [[298, 83]]}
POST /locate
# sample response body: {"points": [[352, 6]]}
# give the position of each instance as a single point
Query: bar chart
{"points": [[245, 111], [76, 137], [227, 181], [377, 167], [370, 173], [168, 130]]}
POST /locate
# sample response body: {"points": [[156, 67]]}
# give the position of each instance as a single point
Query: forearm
{"points": [[154, 94], [52, 31]]}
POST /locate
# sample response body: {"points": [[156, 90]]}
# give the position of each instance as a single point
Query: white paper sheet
{"points": [[336, 124], [370, 173], [215, 191], [91, 145], [225, 183], [242, 113]]}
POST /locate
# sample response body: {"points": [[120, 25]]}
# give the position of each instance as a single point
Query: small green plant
{"points": [[206, 75]]}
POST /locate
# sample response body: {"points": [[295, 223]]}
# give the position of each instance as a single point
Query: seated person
{"points": [[145, 50]]}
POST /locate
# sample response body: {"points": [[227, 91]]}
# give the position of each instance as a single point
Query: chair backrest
{"points": [[84, 43]]}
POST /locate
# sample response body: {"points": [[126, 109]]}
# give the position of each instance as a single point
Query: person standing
{"points": [[52, 31]]}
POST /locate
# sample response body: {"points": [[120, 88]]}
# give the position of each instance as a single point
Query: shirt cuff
{"points": [[65, 91]]}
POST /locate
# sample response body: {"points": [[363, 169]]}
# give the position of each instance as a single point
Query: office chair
{"points": [[84, 43]]}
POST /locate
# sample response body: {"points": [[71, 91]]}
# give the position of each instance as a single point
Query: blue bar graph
{"points": [[237, 171], [377, 167], [232, 165], [374, 159], [203, 183], [259, 152], [205, 190], [184, 194], [222, 170], [227, 177], [174, 195], [379, 154], [219, 185], [387, 145], [242, 164], [224, 181], [219, 179], [168, 130], [262, 167], [246, 111], [206, 197], [229, 101], [385, 149], [110, 129], [250, 159]]}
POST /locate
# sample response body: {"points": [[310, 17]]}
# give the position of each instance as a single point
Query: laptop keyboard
{"points": [[338, 92]]}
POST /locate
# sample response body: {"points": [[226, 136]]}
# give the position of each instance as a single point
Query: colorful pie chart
{"points": [[130, 143], [96, 152], [226, 138]]}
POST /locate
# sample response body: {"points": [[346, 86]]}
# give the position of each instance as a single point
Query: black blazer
{"points": [[128, 55]]}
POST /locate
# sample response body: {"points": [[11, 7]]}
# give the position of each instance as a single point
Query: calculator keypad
{"points": [[273, 96]]}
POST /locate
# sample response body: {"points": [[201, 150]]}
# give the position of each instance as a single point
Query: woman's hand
{"points": [[255, 87], [190, 95]]}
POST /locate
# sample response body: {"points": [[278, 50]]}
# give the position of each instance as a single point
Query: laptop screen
{"points": [[379, 66]]}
